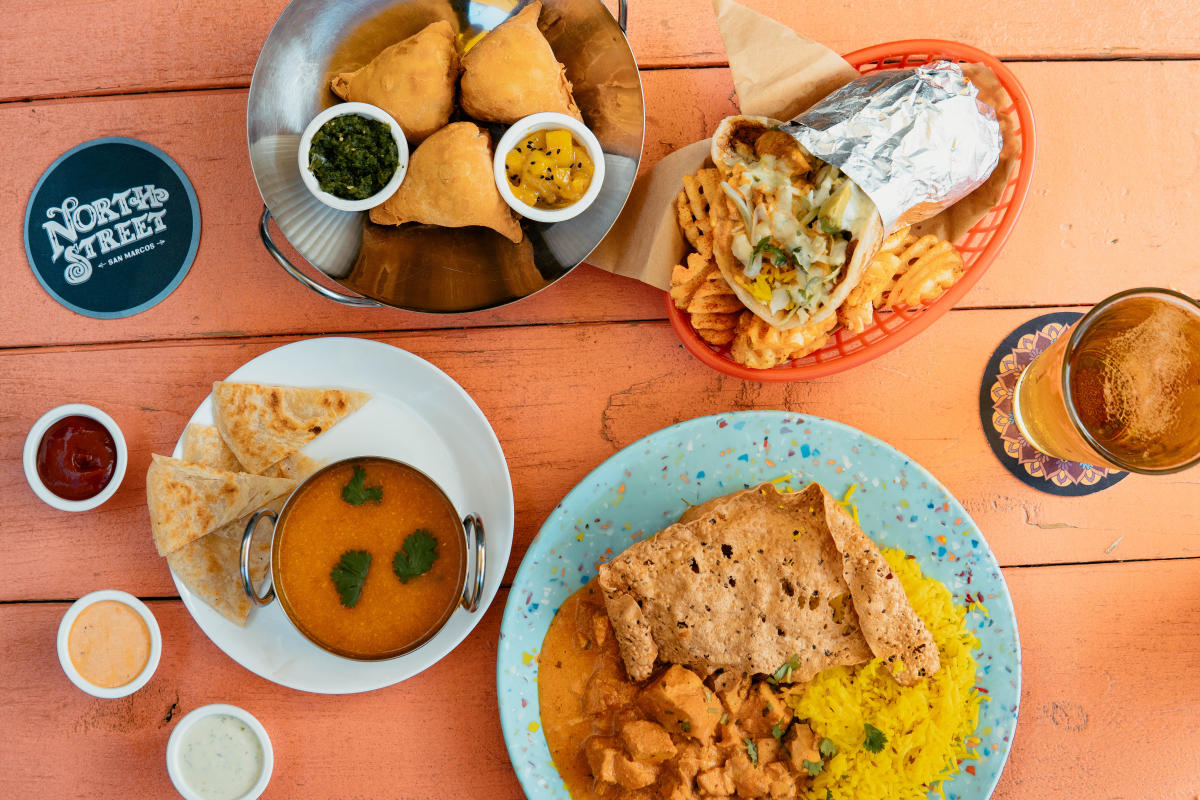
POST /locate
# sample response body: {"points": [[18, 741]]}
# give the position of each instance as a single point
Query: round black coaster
{"points": [[112, 227], [1042, 472]]}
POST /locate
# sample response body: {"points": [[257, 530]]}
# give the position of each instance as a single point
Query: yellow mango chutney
{"points": [[549, 169]]}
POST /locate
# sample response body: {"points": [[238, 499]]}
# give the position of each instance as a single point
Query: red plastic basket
{"points": [[979, 246]]}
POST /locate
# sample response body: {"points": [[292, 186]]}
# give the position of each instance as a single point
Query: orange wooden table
{"points": [[1111, 635]]}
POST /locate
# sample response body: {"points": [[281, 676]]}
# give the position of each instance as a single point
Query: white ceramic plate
{"points": [[417, 414]]}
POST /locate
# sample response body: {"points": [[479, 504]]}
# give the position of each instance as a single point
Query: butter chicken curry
{"points": [[673, 736]]}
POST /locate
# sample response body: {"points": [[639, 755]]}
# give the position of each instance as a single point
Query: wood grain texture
{"points": [[585, 399], [1094, 223], [1098, 717], [434, 736], [140, 45]]}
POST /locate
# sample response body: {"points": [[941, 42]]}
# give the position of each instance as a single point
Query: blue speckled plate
{"points": [[644, 488]]}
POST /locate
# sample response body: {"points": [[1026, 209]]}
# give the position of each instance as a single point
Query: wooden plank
{"points": [[584, 399], [210, 44], [1100, 717], [410, 740], [1075, 244], [1108, 702]]}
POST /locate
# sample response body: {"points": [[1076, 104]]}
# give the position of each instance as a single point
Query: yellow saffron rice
{"points": [[929, 726]]}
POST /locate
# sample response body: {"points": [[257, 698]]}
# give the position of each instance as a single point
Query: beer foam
{"points": [[1146, 373]]}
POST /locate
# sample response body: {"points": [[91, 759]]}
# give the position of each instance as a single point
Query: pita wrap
{"points": [[820, 230], [413, 80], [756, 580], [187, 501], [262, 425], [210, 567], [451, 182], [513, 72]]}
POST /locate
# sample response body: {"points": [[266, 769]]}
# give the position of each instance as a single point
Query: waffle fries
{"points": [[929, 266], [908, 270]]}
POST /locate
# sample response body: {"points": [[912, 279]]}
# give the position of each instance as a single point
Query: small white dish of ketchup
{"points": [[75, 457]]}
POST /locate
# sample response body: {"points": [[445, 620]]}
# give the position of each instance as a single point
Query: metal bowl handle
{"points": [[623, 16], [247, 584], [345, 299], [473, 588]]}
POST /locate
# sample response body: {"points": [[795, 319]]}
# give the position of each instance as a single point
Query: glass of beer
{"points": [[1120, 388]]}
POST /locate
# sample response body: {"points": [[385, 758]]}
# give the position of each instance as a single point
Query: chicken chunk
{"points": [[604, 690], [695, 758], [632, 774], [768, 749], [780, 785], [762, 711], [681, 702], [601, 753], [647, 741], [748, 778], [715, 782], [801, 745], [731, 689]]}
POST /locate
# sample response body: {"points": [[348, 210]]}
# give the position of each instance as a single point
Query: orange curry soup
{"points": [[318, 526]]}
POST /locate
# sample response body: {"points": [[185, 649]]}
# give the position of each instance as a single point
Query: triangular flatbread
{"points": [[203, 445], [413, 80], [513, 72], [211, 566], [451, 183], [262, 425], [187, 501], [758, 579]]}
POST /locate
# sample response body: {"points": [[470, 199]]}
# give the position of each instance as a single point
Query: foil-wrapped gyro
{"points": [[807, 203]]}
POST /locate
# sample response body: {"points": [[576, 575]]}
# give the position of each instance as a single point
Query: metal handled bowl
{"points": [[424, 267]]}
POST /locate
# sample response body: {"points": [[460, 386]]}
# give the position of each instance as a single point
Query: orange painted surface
{"points": [[207, 44], [579, 371]]}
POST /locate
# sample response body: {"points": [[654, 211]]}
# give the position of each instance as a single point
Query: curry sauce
{"points": [[392, 615], [674, 736]]}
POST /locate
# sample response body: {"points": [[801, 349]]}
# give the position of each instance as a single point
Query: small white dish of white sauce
{"points": [[220, 752]]}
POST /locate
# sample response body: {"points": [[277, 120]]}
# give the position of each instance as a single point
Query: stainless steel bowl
{"points": [[423, 267]]}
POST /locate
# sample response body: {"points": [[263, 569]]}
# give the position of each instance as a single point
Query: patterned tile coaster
{"points": [[1042, 472]]}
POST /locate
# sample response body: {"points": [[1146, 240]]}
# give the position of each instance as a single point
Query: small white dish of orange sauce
{"points": [[109, 643]]}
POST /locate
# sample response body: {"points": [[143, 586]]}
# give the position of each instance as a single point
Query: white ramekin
{"points": [[540, 122], [34, 438], [64, 652], [370, 112], [175, 742]]}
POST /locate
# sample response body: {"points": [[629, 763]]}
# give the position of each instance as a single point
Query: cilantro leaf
{"points": [[875, 739], [776, 255], [784, 673], [828, 748], [356, 494], [814, 767], [751, 750], [349, 575], [416, 557], [777, 730], [828, 794]]}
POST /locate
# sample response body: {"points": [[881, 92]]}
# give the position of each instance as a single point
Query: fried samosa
{"points": [[413, 80], [450, 183], [512, 73]]}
